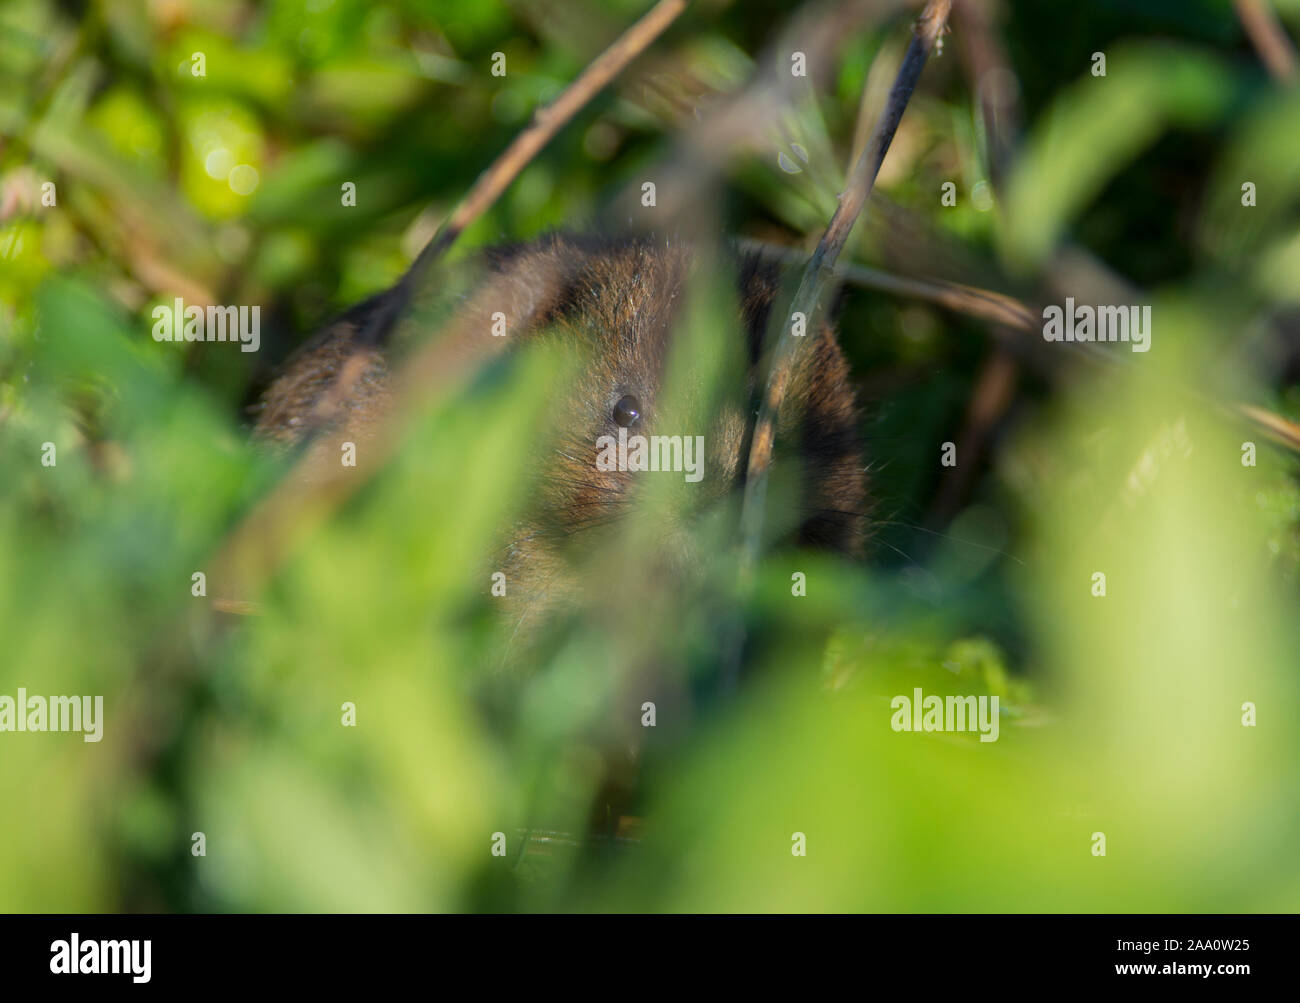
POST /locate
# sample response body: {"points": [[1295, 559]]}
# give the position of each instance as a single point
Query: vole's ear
{"points": [[375, 319], [501, 293]]}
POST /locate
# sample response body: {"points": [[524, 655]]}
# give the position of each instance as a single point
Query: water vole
{"points": [[617, 304]]}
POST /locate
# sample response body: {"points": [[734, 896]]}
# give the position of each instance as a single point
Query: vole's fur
{"points": [[617, 304]]}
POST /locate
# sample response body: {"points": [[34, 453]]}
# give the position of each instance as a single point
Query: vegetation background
{"points": [[1121, 715]]}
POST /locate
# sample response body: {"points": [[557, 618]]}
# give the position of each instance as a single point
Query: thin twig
{"points": [[819, 273], [1268, 37], [990, 399], [1276, 427], [547, 121], [992, 81], [985, 304]]}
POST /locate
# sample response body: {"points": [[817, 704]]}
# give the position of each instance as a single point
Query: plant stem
{"points": [[819, 273]]}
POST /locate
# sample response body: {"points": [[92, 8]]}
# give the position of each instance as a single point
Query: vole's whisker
{"points": [[949, 536]]}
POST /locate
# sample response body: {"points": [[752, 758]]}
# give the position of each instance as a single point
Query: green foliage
{"points": [[1119, 714]]}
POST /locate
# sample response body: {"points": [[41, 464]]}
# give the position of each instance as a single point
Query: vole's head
{"points": [[649, 431]]}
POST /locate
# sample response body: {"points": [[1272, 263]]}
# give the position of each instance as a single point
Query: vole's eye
{"points": [[627, 412]]}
